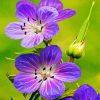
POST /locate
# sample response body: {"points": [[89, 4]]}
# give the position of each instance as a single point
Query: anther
{"points": [[33, 19], [45, 79], [44, 68], [24, 24], [50, 68], [35, 73], [41, 27], [22, 27], [39, 81], [35, 77], [52, 77], [35, 70], [25, 33]]}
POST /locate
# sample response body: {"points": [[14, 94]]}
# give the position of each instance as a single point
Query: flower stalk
{"points": [[76, 49]]}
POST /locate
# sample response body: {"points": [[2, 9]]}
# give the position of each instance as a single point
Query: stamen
{"points": [[35, 72], [44, 68], [41, 27], [25, 33], [24, 24], [45, 79], [22, 27], [52, 77], [35, 77], [39, 81], [50, 68], [33, 19]]}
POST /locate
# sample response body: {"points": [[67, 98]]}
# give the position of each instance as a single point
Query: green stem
{"points": [[32, 96], [46, 43], [71, 59], [84, 27]]}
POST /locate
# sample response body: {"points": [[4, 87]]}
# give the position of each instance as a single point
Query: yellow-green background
{"points": [[89, 64]]}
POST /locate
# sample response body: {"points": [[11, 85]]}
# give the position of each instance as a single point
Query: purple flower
{"points": [[98, 97], [84, 92], [45, 73], [37, 23]]}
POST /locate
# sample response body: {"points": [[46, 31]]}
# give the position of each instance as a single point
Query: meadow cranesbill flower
{"points": [[45, 73], [37, 23], [84, 92], [98, 97]]}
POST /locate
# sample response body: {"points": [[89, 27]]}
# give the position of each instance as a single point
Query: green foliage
{"points": [[90, 64], [84, 27]]}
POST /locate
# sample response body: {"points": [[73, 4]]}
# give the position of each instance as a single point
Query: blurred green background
{"points": [[89, 64]]}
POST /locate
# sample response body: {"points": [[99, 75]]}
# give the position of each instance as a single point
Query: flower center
{"points": [[35, 27], [45, 73]]}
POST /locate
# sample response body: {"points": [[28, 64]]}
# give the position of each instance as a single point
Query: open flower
{"points": [[84, 92], [98, 97], [45, 73], [37, 23]]}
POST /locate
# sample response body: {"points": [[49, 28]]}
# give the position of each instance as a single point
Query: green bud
{"points": [[76, 50]]}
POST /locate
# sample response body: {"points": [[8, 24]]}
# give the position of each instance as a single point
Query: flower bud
{"points": [[76, 50]]}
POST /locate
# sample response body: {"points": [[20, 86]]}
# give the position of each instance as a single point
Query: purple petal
{"points": [[47, 14], [52, 3], [50, 55], [51, 29], [52, 88], [65, 14], [26, 11], [68, 98], [27, 63], [98, 97], [14, 30], [85, 92], [32, 40], [26, 83], [67, 72]]}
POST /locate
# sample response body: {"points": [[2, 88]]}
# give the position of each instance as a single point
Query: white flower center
{"points": [[35, 27], [45, 73]]}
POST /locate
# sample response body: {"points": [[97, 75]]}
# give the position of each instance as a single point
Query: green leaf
{"points": [[10, 77], [25, 95], [84, 27], [12, 98], [9, 59], [37, 96], [67, 93], [37, 50], [47, 42], [33, 95], [40, 98]]}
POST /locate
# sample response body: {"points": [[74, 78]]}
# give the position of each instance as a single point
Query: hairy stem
{"points": [[71, 59], [47, 42]]}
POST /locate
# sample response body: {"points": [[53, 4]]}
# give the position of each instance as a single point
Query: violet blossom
{"points": [[84, 92], [45, 73], [37, 23]]}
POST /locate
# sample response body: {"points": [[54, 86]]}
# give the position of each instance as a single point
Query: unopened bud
{"points": [[76, 50]]}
